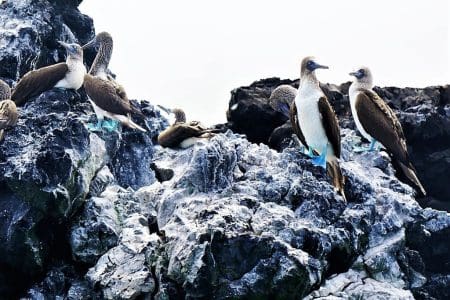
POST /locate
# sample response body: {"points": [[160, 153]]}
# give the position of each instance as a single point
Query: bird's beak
{"points": [[90, 44], [353, 74], [63, 44], [321, 66], [165, 109]]}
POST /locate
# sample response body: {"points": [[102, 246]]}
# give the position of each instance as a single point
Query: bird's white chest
{"points": [[74, 77], [310, 119], [353, 95]]}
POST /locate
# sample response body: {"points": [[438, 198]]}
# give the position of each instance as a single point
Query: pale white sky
{"points": [[191, 54]]}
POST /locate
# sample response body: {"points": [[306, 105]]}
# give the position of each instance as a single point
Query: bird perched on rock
{"points": [[377, 123], [107, 97], [8, 110], [282, 97], [65, 75], [315, 123], [181, 133], [281, 100]]}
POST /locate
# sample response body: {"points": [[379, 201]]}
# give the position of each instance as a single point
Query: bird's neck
{"points": [[74, 62], [180, 116], [360, 85], [308, 84], [101, 61]]}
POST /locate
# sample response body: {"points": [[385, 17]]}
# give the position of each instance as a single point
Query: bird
{"points": [[64, 75], [181, 133], [282, 97], [8, 109], [281, 100], [107, 97], [377, 122], [315, 123]]}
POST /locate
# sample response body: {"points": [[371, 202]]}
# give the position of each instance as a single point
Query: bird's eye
{"points": [[310, 65], [361, 71]]}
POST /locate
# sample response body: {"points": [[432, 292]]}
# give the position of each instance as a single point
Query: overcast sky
{"points": [[191, 54]]}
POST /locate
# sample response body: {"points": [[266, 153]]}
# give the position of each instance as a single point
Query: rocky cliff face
{"points": [[115, 216]]}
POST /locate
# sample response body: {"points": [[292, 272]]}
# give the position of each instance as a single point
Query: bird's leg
{"points": [[309, 152], [110, 125], [96, 127], [320, 160], [373, 145]]}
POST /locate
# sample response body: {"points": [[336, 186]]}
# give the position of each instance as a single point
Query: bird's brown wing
{"points": [[106, 95], [295, 124], [331, 125], [378, 120], [175, 134], [38, 81], [8, 114]]}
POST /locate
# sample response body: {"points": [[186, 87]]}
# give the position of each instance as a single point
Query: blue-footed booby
{"points": [[8, 110], [282, 97], [181, 133], [377, 122], [65, 75], [315, 123], [106, 96]]}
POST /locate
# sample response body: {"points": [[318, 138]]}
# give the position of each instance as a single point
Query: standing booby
{"points": [[65, 75], [8, 110], [106, 96], [315, 123], [183, 134], [282, 97], [377, 122]]}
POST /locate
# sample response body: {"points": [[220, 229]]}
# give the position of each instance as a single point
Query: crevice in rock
{"points": [[339, 261]]}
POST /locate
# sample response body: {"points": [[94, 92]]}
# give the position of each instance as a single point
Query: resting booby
{"points": [[315, 123], [106, 96], [8, 110], [282, 97], [65, 75], [183, 134], [377, 123]]}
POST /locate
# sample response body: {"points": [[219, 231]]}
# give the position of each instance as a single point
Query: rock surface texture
{"points": [[114, 216]]}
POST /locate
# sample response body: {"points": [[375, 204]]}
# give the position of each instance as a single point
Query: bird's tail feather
{"points": [[410, 173], [131, 124], [338, 180]]}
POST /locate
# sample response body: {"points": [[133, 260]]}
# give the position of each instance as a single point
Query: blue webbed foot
{"points": [[374, 146], [320, 160], [95, 127], [110, 125]]}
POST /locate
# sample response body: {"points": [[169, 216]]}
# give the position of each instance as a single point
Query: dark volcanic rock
{"points": [[112, 216], [268, 226], [47, 162], [424, 114], [31, 29]]}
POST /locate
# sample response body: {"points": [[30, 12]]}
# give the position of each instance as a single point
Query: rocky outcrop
{"points": [[424, 114], [112, 215]]}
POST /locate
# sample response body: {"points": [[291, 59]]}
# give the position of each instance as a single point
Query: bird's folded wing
{"points": [[38, 81], [378, 120], [331, 125]]}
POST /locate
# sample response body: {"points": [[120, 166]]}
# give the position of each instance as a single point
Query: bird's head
{"points": [[73, 50], [362, 75], [309, 65]]}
